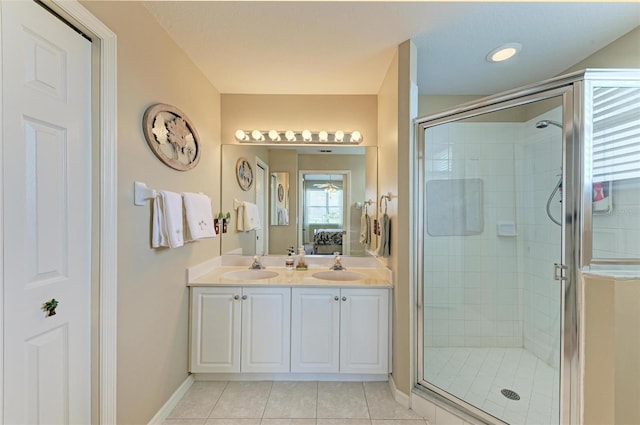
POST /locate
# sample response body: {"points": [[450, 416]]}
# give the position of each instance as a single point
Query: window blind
{"points": [[616, 133]]}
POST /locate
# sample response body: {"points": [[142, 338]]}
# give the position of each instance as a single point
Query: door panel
{"points": [[364, 331], [46, 141], [315, 330], [215, 330], [266, 338]]}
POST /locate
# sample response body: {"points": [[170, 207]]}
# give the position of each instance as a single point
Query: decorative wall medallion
{"points": [[244, 173], [280, 192], [171, 136]]}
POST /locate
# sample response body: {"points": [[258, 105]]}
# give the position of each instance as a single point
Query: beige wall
{"points": [[621, 53], [611, 349], [396, 108], [152, 297]]}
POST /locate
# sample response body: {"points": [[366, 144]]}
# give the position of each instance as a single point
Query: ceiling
{"points": [[336, 47]]}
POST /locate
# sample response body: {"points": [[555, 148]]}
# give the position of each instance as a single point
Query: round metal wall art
{"points": [[244, 173], [171, 136]]}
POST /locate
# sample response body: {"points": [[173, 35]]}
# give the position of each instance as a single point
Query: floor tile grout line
{"points": [[226, 384], [364, 392], [267, 402], [317, 399]]}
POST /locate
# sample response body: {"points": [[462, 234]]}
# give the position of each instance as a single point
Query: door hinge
{"points": [[558, 271]]}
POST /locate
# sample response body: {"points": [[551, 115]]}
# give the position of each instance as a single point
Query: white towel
{"points": [[198, 217], [365, 229], [248, 217], [283, 217], [167, 221], [385, 237], [251, 216]]}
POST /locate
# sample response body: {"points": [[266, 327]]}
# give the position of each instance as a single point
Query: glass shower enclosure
{"points": [[510, 192]]}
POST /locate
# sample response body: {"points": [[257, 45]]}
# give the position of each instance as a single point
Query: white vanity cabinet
{"points": [[236, 329], [340, 330]]}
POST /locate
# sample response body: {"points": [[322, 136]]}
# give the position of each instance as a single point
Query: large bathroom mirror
{"points": [[309, 196]]}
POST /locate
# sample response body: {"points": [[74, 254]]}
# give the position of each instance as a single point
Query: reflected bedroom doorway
{"points": [[324, 212]]}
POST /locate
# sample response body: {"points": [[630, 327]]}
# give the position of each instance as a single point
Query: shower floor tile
{"points": [[477, 375]]}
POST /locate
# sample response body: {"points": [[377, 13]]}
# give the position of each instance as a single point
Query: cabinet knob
{"points": [[344, 298], [244, 297], [236, 297], [337, 298]]}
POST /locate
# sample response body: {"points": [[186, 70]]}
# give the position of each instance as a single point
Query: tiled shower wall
{"points": [[488, 290], [473, 296], [538, 167]]}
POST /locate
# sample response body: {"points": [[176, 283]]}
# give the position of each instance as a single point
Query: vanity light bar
{"points": [[322, 137]]}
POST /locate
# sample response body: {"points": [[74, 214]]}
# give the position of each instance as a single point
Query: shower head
{"points": [[545, 124]]}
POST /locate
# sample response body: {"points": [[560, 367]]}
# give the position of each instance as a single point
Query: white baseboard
{"points": [[172, 402], [400, 397], [345, 377]]}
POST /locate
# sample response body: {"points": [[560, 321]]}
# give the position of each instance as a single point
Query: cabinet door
{"points": [[266, 327], [315, 330], [364, 331], [215, 330]]}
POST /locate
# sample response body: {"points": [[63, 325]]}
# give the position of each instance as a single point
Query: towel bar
{"points": [[141, 193]]}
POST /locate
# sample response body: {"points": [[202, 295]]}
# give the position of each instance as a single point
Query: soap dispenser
{"points": [[302, 265], [289, 262]]}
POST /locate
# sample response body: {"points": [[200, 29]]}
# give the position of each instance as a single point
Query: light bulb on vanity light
{"points": [[257, 136], [323, 136], [274, 136], [241, 136], [356, 137], [306, 136], [290, 136], [339, 136]]}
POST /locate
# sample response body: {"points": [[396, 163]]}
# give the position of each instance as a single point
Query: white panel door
{"points": [[266, 339], [364, 331], [215, 329], [46, 142], [315, 330]]}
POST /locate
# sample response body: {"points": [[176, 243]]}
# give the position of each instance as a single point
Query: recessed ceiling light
{"points": [[504, 52]]}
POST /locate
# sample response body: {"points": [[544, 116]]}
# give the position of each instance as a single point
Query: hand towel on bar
{"points": [[158, 237], [168, 226], [198, 216], [385, 237], [251, 216], [365, 229], [283, 217]]}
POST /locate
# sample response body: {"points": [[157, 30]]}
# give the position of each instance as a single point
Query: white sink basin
{"points": [[249, 274], [339, 275]]}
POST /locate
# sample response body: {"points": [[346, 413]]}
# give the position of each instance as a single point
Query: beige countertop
{"points": [[224, 276]]}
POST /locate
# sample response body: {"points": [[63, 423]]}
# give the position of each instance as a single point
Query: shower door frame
{"points": [[570, 88]]}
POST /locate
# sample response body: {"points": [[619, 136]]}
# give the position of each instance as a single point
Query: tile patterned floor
{"points": [[477, 375], [290, 403]]}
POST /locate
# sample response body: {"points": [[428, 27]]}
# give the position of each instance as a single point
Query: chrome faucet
{"points": [[337, 264], [256, 265]]}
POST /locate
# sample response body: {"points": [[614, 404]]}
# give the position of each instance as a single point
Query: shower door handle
{"points": [[558, 271]]}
